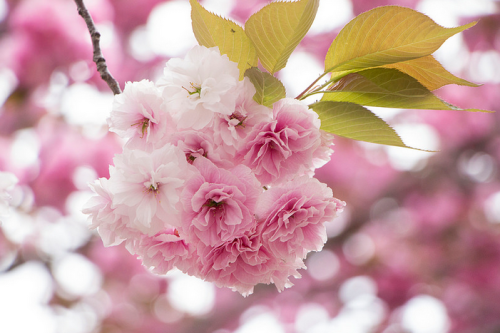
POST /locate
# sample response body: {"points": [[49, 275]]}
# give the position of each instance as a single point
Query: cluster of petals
{"points": [[212, 183]]}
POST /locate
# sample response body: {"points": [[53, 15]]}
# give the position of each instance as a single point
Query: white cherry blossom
{"points": [[138, 115], [199, 86], [146, 187]]}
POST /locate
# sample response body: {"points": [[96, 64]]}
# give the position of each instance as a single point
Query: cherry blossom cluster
{"points": [[210, 181]]}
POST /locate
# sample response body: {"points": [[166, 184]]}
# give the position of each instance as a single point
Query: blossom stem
{"points": [[319, 90], [301, 95], [98, 57]]}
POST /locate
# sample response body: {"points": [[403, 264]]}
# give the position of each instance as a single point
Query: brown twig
{"points": [[99, 60]]}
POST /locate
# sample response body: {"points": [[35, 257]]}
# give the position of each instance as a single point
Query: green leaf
{"points": [[356, 122], [429, 72], [268, 88], [385, 35], [212, 30], [385, 87], [278, 28]]}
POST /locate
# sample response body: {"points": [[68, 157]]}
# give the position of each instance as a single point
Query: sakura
{"points": [[199, 86], [211, 182], [138, 115]]}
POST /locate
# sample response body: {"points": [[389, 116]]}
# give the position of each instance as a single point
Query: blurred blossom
{"points": [[356, 287], [492, 208], [478, 166], [190, 294], [3, 10], [221, 7], [165, 312], [425, 314], [83, 105], [18, 227], [485, 66], [24, 149], [323, 265], [260, 320], [164, 24], [7, 183], [358, 249], [27, 290], [331, 15], [420, 136], [310, 317], [8, 82], [76, 275], [362, 314]]}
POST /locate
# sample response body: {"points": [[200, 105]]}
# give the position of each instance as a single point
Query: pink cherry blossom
{"points": [[199, 144], [218, 203], [239, 263], [200, 85], [163, 251], [294, 215], [138, 115], [322, 155], [112, 227], [146, 187], [279, 150], [231, 130]]}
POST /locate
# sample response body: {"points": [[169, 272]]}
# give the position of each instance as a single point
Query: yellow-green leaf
{"points": [[385, 87], [212, 30], [356, 122], [278, 28], [385, 35], [268, 88], [429, 72]]}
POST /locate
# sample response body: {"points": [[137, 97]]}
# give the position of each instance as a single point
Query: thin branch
{"points": [[300, 96], [98, 58]]}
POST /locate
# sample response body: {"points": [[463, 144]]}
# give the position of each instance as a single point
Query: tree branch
{"points": [[98, 58]]}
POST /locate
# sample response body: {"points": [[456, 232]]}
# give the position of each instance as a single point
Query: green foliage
{"points": [[356, 122], [268, 88], [429, 72], [385, 87], [381, 58], [385, 35], [212, 30], [278, 28]]}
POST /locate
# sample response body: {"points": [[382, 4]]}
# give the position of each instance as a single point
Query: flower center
{"points": [[239, 117], [212, 203], [143, 125], [152, 187], [196, 87], [193, 154]]}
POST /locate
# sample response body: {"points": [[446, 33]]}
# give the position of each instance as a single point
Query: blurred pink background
{"points": [[417, 249]]}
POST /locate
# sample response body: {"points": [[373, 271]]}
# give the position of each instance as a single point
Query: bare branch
{"points": [[99, 60]]}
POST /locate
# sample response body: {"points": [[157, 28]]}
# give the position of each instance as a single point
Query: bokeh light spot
{"points": [[358, 249], [309, 317], [492, 208], [190, 294], [357, 286], [331, 14], [169, 29], [425, 314], [77, 275], [415, 135], [323, 265]]}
